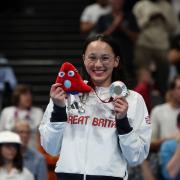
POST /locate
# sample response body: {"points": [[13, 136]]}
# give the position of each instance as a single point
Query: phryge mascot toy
{"points": [[72, 83]]}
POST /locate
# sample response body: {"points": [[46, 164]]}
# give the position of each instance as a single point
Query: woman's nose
{"points": [[98, 62]]}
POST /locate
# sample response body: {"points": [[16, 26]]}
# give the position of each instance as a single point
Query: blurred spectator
{"points": [[33, 160], [121, 25], [7, 81], [51, 161], [157, 21], [11, 162], [164, 116], [174, 55], [22, 111], [170, 157], [91, 14], [144, 85]]}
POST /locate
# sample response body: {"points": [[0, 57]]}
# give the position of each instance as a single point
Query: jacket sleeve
{"points": [[51, 132], [135, 144]]}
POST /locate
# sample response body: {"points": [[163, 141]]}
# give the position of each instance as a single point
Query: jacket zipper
{"points": [[86, 149]]}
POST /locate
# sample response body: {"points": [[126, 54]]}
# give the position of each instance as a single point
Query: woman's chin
{"points": [[100, 82]]}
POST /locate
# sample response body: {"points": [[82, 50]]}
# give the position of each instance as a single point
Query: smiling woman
{"points": [[100, 71], [110, 66], [99, 142]]}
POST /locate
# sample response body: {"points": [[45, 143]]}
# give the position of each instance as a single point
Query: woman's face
{"points": [[25, 100], [99, 61], [8, 151]]}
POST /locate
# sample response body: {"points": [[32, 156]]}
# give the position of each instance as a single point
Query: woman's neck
{"points": [[21, 107], [174, 104], [99, 86], [105, 84], [8, 166]]}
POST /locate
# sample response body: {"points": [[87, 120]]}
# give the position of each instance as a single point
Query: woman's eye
{"points": [[61, 74], [70, 73], [105, 58], [92, 58]]}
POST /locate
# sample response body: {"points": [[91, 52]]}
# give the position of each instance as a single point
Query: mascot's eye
{"points": [[61, 74], [70, 73]]}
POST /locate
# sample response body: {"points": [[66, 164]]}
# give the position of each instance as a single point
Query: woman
{"points": [[11, 161], [22, 110], [98, 143]]}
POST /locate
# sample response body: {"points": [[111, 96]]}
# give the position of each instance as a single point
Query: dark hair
{"points": [[178, 119], [118, 73], [172, 84], [19, 90], [18, 159]]}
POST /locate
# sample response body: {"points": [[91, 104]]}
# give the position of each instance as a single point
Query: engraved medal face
{"points": [[118, 88]]}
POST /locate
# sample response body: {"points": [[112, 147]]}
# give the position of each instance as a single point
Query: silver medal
{"points": [[118, 88]]}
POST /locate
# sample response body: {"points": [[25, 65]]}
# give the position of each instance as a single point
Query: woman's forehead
{"points": [[99, 47]]}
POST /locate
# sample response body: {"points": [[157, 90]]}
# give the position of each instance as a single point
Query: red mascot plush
{"points": [[71, 81]]}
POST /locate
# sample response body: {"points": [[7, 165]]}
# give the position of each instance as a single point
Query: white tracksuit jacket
{"points": [[89, 144]]}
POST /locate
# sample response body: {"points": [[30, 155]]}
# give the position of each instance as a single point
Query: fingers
{"points": [[58, 94], [57, 91], [54, 87], [120, 106], [119, 97], [120, 101]]}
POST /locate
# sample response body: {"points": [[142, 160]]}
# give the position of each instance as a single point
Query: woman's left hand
{"points": [[120, 107]]}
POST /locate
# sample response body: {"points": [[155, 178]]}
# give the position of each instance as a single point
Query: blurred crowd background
{"points": [[37, 36]]}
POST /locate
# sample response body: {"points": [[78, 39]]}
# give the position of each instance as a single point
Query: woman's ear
{"points": [[117, 59]]}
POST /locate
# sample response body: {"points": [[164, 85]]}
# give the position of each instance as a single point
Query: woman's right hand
{"points": [[58, 95]]}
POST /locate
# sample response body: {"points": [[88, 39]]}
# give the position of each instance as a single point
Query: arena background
{"points": [[36, 36]]}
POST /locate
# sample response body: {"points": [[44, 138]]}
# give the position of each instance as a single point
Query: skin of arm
{"points": [[133, 36], [86, 27], [155, 145], [173, 165]]}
